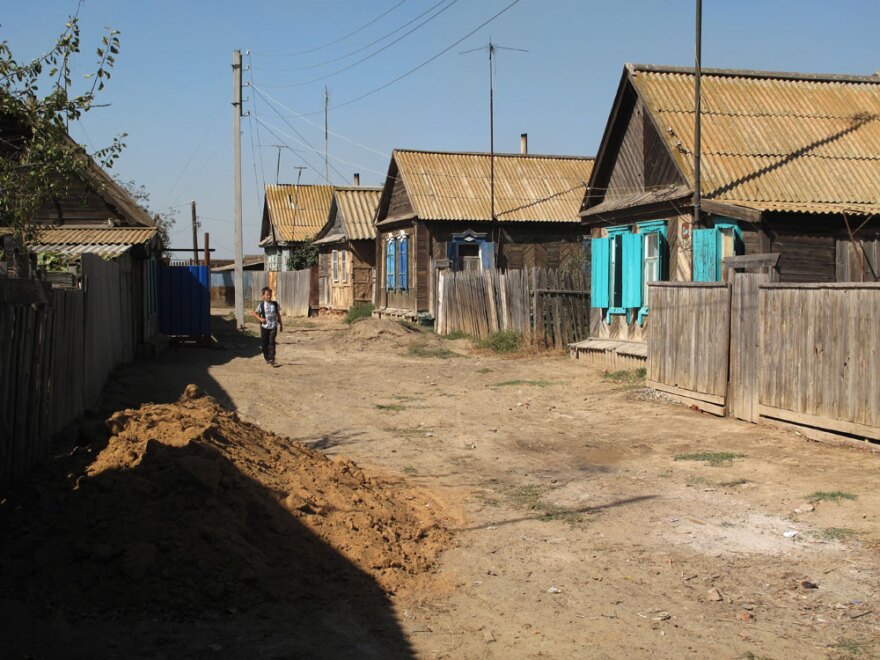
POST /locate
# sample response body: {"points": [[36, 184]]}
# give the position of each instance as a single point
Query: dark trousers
{"points": [[268, 337]]}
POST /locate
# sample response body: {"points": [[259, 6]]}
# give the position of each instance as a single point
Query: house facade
{"points": [[472, 211], [347, 249], [790, 168], [292, 217]]}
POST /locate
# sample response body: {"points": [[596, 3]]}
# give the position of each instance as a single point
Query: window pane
{"points": [[652, 245]]}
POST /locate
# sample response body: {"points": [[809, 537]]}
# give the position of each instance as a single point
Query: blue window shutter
{"points": [[403, 263], [632, 270], [600, 251], [389, 264], [487, 252], [705, 255]]}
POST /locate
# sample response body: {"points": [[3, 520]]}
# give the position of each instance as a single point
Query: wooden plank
{"points": [[720, 411], [680, 391], [860, 430], [826, 437]]}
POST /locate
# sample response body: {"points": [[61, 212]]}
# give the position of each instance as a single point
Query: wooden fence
{"points": [[688, 341], [556, 306], [57, 348], [802, 354], [291, 289]]}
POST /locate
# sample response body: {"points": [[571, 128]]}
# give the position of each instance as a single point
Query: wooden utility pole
{"points": [[326, 162], [208, 249], [195, 224], [236, 187]]}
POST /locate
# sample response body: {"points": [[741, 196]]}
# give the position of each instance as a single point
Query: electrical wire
{"points": [[335, 41], [419, 66], [259, 141], [371, 55], [356, 51], [275, 135]]}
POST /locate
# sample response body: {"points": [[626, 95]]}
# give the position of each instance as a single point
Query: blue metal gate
{"points": [[185, 301]]}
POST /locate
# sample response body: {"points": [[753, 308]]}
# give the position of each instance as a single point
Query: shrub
{"points": [[359, 311], [503, 342]]}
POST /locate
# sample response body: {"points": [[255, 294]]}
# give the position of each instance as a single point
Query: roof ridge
{"points": [[497, 154], [756, 73]]}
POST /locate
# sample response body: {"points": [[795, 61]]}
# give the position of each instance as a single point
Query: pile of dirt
{"points": [[188, 507], [372, 330]]}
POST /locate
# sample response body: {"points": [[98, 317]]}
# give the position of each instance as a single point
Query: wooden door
{"points": [[745, 345], [362, 283]]}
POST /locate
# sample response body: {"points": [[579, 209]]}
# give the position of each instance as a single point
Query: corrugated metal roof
{"points": [[456, 186], [126, 236], [298, 212], [358, 206], [781, 142], [110, 251]]}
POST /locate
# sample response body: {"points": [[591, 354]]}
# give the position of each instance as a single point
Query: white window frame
{"points": [[334, 264]]}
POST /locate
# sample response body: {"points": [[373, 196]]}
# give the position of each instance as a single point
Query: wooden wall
{"points": [[394, 299]]}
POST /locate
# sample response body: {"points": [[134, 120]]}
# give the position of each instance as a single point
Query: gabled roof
{"points": [[528, 188], [770, 141], [296, 213], [358, 207]]}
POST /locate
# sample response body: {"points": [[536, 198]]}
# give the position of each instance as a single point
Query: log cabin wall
{"points": [[80, 206], [393, 298]]}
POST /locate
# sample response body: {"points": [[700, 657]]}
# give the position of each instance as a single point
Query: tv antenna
{"points": [[277, 162], [491, 48]]}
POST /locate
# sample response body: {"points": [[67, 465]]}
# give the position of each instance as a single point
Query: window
{"points": [[470, 250], [710, 248], [623, 263], [390, 263], [334, 260], [403, 262], [343, 275], [274, 260], [469, 256]]}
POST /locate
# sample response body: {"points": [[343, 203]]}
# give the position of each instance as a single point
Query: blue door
{"points": [[185, 301]]}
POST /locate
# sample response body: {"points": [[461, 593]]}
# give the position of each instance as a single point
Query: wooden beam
{"points": [[679, 391], [746, 260], [824, 436], [731, 210], [823, 423]]}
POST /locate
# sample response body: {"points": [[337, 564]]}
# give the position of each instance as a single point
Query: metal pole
{"points": [[236, 187], [697, 185], [491, 135], [195, 224]]}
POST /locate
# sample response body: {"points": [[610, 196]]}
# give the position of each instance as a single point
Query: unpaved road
{"points": [[581, 529]]}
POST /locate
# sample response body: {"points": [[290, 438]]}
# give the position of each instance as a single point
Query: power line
{"points": [[251, 71], [423, 64], [371, 55], [356, 51], [275, 135], [335, 41]]}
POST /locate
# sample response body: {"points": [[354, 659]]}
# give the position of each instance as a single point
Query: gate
{"points": [[185, 301]]}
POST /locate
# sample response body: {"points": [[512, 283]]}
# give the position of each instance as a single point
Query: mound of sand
{"points": [[371, 329], [188, 507]]}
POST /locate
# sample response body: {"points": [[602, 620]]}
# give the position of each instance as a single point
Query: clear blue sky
{"points": [[171, 88]]}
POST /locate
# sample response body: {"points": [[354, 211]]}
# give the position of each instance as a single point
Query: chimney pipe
{"points": [[524, 143], [357, 179]]}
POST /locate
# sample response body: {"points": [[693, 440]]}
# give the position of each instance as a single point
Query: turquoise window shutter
{"points": [[632, 270], [403, 264], [390, 260], [705, 255], [487, 253], [600, 251]]}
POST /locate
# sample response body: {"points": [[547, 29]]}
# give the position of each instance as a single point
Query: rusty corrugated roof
{"points": [[775, 142], [456, 186], [358, 208], [297, 212], [126, 236]]}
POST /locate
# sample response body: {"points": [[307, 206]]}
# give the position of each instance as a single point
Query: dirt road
{"points": [[588, 518]]}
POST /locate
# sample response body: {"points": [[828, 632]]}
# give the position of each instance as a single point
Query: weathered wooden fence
{"points": [[57, 348], [820, 356], [291, 289], [688, 343], [556, 306], [803, 354]]}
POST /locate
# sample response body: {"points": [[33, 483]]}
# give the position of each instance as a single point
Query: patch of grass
{"points": [[359, 311], [830, 496], [836, 533], [713, 458], [408, 432], [409, 325], [410, 470], [626, 376], [457, 334], [503, 342], [850, 648], [390, 406], [530, 496], [485, 370], [420, 350], [513, 383]]}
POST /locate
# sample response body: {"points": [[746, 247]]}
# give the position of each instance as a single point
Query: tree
{"points": [[164, 220], [38, 160], [303, 256]]}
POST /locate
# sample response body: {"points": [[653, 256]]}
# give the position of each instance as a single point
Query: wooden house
{"points": [[292, 217], [790, 167], [347, 249], [462, 211]]}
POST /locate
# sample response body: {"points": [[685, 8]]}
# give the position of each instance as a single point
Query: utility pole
{"points": [[195, 224], [207, 249], [299, 174], [698, 193], [236, 187], [326, 107]]}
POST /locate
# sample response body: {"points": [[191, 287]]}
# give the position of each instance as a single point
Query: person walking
{"points": [[268, 313]]}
